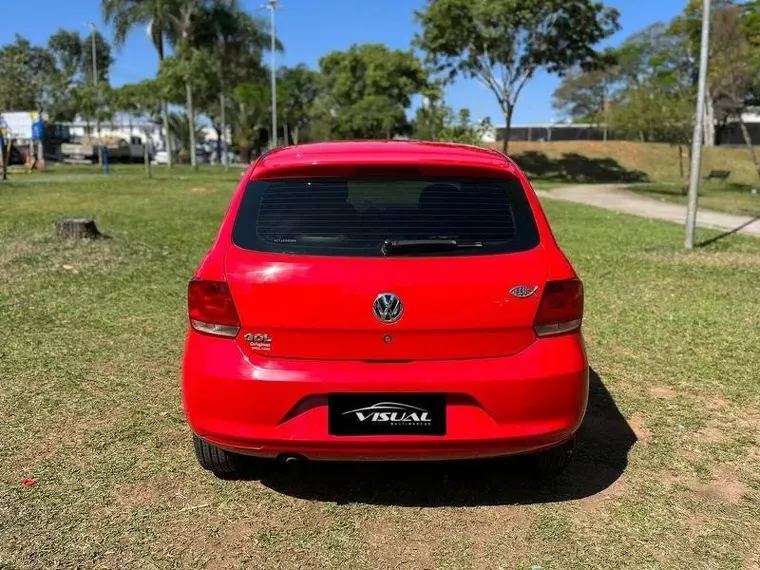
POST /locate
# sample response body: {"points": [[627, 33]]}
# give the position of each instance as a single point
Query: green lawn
{"points": [[667, 474], [723, 197]]}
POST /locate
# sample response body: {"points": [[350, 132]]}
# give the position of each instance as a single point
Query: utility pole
{"points": [[272, 6], [696, 141]]}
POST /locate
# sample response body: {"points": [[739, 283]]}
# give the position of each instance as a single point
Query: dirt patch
{"points": [[146, 493], [201, 190], [662, 392], [610, 494], [638, 425], [225, 544], [710, 436], [725, 487], [434, 538], [711, 258], [719, 402]]}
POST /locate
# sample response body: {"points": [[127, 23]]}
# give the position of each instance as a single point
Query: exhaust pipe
{"points": [[293, 460]]}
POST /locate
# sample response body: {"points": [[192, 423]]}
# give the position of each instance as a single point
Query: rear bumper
{"points": [[498, 406]]}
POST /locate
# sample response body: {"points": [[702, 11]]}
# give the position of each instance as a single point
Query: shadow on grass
{"points": [[572, 167], [705, 189], [719, 237], [600, 459]]}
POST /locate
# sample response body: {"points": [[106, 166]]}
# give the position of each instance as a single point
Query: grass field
{"points": [[734, 198], [617, 161], [667, 474]]}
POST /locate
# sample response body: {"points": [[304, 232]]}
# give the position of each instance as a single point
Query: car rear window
{"points": [[355, 217]]}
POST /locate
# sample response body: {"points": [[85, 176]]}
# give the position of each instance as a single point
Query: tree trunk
{"points": [[165, 110], [191, 124], [507, 128], [709, 128], [146, 158], [245, 152], [285, 133], [680, 161], [218, 132], [222, 107], [748, 142], [295, 134]]}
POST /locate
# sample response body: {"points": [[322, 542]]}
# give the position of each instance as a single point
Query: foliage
{"points": [[93, 102], [249, 126], [180, 125], [103, 57], [26, 70], [583, 95], [125, 15], [437, 122], [367, 90], [503, 43], [298, 89]]}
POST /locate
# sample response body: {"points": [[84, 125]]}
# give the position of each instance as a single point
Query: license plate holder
{"points": [[386, 413]]}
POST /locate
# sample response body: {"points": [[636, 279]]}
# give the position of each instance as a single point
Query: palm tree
{"points": [[236, 41], [185, 131], [157, 15]]}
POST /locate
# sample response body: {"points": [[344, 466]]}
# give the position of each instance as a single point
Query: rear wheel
{"points": [[221, 463], [552, 462]]}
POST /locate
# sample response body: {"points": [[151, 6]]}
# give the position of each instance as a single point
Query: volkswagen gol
{"points": [[384, 301]]}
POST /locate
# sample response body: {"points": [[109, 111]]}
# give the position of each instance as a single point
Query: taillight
{"points": [[561, 308], [211, 308]]}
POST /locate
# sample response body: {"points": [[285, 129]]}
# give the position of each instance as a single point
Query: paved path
{"points": [[617, 198]]}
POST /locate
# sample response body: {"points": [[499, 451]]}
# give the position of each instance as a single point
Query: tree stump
{"points": [[77, 228]]}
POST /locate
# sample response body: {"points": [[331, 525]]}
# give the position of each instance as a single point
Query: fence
{"points": [[728, 134]]}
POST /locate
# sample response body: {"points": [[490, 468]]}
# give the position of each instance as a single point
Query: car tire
{"points": [[550, 463], [221, 463]]}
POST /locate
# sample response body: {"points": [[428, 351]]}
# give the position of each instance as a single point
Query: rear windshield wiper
{"points": [[394, 246]]}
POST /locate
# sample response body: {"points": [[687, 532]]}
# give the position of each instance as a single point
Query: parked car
{"points": [[161, 157], [384, 301]]}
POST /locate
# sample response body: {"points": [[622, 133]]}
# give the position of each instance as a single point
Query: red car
{"points": [[384, 301]]}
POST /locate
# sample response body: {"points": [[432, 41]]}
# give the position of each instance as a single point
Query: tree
{"points": [[103, 58], [300, 88], [128, 14], [73, 57], [26, 73], [250, 117], [503, 43], [583, 95], [186, 72], [688, 28], [367, 90], [735, 67], [66, 47], [186, 132], [93, 102], [235, 41], [442, 123]]}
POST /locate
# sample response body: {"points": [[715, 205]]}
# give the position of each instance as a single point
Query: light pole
{"points": [[272, 6], [94, 54], [696, 141]]}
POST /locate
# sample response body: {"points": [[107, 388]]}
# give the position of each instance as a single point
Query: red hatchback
{"points": [[384, 301]]}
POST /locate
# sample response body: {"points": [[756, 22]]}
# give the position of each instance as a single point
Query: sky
{"points": [[311, 28]]}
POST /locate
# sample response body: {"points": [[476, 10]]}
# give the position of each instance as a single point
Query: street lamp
{"points": [[271, 5]]}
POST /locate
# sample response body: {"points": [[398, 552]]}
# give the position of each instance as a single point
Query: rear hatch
{"points": [[386, 269]]}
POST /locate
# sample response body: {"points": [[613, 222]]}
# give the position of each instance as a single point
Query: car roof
{"points": [[394, 152]]}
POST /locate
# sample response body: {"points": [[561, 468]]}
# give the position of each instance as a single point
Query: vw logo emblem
{"points": [[388, 308]]}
